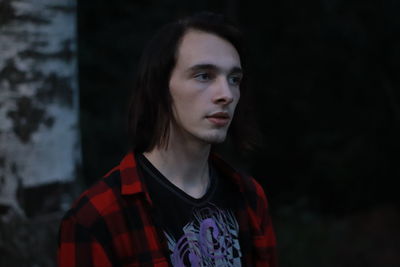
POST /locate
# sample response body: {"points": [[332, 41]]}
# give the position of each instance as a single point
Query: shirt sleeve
{"points": [[77, 247], [267, 242]]}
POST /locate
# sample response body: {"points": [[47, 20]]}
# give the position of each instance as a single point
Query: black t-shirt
{"points": [[199, 232]]}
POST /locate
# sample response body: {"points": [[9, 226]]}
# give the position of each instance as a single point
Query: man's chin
{"points": [[215, 139]]}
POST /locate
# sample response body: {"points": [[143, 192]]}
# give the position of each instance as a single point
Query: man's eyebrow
{"points": [[213, 67], [237, 70]]}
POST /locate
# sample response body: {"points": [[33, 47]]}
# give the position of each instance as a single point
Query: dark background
{"points": [[325, 77]]}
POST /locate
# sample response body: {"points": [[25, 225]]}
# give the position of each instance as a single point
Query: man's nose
{"points": [[223, 92]]}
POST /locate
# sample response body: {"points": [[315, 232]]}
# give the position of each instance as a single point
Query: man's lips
{"points": [[219, 118], [223, 115]]}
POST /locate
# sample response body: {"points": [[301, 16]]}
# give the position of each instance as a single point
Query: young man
{"points": [[171, 202]]}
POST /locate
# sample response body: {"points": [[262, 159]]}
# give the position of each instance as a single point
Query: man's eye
{"points": [[202, 77], [235, 80]]}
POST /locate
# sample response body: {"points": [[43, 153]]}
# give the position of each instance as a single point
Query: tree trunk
{"points": [[39, 144]]}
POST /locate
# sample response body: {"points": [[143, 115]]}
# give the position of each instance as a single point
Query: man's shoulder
{"points": [[252, 191], [99, 199]]}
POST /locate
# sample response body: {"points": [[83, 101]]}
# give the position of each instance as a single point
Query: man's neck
{"points": [[184, 165]]}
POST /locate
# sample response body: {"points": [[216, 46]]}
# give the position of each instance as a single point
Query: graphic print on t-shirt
{"points": [[211, 239]]}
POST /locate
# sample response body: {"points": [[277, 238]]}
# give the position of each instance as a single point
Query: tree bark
{"points": [[39, 142]]}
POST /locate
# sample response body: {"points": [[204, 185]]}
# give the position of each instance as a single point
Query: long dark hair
{"points": [[150, 109]]}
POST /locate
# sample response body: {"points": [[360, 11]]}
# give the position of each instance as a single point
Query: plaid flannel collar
{"points": [[131, 182]]}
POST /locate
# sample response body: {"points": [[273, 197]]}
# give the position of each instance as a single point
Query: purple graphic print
{"points": [[211, 239]]}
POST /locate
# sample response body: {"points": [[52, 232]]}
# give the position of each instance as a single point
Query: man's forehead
{"points": [[203, 48]]}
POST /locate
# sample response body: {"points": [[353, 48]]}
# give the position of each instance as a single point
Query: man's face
{"points": [[204, 86]]}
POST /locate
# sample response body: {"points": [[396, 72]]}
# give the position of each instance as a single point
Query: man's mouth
{"points": [[219, 118]]}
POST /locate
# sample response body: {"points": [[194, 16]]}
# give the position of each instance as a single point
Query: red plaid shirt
{"points": [[111, 223]]}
